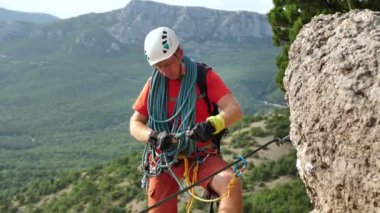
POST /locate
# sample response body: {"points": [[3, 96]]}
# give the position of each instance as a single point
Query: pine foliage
{"points": [[288, 16]]}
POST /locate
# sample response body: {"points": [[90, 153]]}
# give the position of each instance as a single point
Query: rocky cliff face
{"points": [[11, 30], [333, 90]]}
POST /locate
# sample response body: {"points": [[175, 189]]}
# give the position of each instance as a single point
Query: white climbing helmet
{"points": [[160, 44]]}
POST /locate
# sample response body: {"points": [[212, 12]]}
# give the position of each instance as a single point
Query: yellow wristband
{"points": [[217, 122]]}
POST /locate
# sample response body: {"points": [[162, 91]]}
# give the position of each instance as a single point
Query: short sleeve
{"points": [[141, 103], [216, 88]]}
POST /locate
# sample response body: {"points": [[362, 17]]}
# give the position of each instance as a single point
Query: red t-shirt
{"points": [[216, 89]]}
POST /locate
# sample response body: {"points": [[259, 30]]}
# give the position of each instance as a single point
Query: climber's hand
{"points": [[162, 140], [201, 131]]}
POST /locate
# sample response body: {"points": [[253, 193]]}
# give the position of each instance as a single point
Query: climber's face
{"points": [[172, 67]]}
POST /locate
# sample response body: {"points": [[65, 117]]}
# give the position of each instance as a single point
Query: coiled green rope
{"points": [[183, 117]]}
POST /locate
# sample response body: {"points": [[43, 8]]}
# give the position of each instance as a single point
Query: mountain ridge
{"points": [[12, 15], [129, 25], [237, 26]]}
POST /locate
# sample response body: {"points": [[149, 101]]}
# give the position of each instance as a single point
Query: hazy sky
{"points": [[70, 8]]}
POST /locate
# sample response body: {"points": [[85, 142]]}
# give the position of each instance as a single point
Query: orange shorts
{"points": [[164, 185]]}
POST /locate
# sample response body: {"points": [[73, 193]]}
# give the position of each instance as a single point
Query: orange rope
{"points": [[194, 178]]}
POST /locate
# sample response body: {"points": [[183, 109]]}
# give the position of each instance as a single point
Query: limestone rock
{"points": [[333, 90]]}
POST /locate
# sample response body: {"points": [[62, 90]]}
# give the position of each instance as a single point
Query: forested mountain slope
{"points": [[67, 86]]}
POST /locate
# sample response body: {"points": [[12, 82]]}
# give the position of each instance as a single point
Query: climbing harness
{"points": [[278, 141], [190, 181]]}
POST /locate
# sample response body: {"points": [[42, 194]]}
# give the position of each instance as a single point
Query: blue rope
{"points": [[183, 117]]}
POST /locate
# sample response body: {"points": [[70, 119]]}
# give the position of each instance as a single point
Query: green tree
{"points": [[288, 16], [290, 197], [278, 123]]}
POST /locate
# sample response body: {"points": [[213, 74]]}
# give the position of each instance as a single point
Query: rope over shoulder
{"points": [[183, 117]]}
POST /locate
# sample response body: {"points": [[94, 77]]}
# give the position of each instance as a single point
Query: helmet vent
{"points": [[164, 34], [165, 44]]}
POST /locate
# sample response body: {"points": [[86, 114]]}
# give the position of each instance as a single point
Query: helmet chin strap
{"points": [[182, 66]]}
